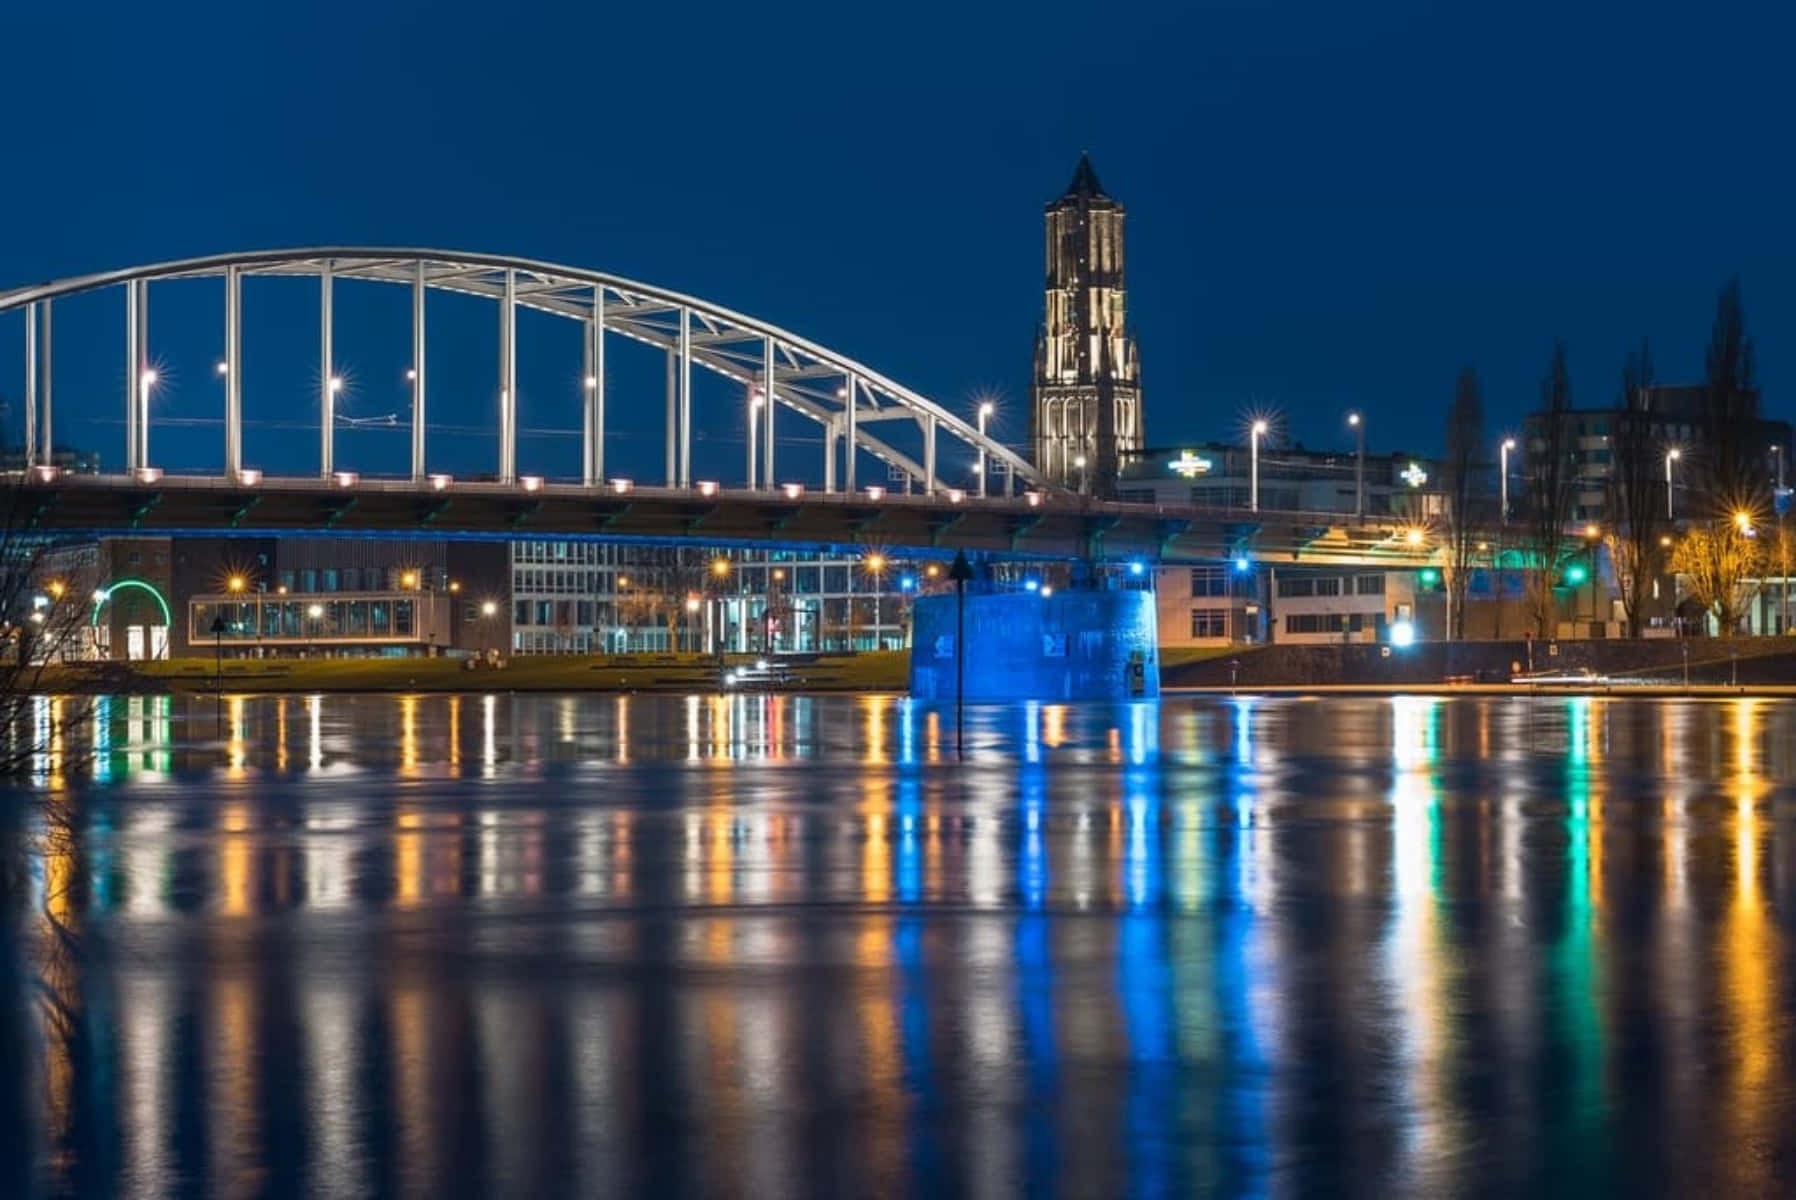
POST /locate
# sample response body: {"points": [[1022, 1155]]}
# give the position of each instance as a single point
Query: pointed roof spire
{"points": [[1085, 180]]}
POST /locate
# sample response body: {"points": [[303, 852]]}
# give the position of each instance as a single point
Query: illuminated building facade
{"points": [[1085, 416]]}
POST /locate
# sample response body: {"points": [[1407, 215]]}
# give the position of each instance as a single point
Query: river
{"points": [[788, 945]]}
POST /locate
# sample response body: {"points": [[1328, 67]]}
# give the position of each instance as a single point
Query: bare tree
{"points": [[1720, 563], [1637, 500], [1460, 470], [1550, 486]]}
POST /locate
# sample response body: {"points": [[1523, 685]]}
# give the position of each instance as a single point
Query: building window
{"points": [[1209, 622], [1299, 586], [1328, 587], [1370, 585], [1209, 581]]}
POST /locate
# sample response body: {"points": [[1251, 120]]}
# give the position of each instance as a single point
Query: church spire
{"points": [[1085, 181]]}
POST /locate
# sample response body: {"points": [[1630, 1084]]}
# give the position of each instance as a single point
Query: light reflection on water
{"points": [[521, 945]]}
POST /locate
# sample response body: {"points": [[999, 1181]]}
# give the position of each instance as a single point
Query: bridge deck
{"points": [[1055, 527]]}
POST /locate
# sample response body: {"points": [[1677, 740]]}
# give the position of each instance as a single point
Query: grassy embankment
{"points": [[886, 670]]}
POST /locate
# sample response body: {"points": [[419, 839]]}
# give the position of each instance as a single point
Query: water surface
{"points": [[778, 946]]}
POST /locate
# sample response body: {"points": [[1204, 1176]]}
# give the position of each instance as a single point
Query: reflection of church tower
{"points": [[1087, 394]]}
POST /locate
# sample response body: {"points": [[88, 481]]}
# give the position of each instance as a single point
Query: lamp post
{"points": [[1079, 462], [1671, 456], [691, 612], [1503, 454], [985, 411], [876, 565], [1359, 463], [488, 609], [1258, 432], [314, 614], [960, 572]]}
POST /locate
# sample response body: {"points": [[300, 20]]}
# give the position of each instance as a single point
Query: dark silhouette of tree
{"points": [[1461, 470], [1729, 473], [1549, 486], [1637, 501]]}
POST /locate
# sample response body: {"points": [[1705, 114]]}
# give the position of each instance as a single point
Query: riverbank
{"points": [[886, 670]]}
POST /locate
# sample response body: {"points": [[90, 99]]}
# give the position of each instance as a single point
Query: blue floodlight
{"points": [[1241, 564], [1403, 633], [907, 583], [1136, 567], [1033, 585]]}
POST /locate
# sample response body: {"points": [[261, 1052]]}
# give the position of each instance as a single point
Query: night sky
{"points": [[1330, 205]]}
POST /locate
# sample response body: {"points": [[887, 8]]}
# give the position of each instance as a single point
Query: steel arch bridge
{"points": [[776, 367]]}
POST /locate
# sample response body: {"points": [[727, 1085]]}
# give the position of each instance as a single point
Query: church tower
{"points": [[1086, 402]]}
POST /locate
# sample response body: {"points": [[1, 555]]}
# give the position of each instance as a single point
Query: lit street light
{"points": [[1359, 467], [1258, 432], [1671, 456], [986, 408], [876, 565], [1079, 462], [1503, 454]]}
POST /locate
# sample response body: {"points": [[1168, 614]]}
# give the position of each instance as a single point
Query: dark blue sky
{"points": [[1330, 205]]}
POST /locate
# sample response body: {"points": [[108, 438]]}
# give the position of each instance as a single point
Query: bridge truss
{"points": [[775, 367]]}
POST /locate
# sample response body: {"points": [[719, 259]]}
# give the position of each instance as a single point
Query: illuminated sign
{"points": [[1414, 475], [1189, 465]]}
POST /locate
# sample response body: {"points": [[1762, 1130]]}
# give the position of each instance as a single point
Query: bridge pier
{"points": [[508, 380], [593, 426], [1071, 645], [327, 383], [30, 385], [417, 373], [43, 378], [772, 401], [233, 374]]}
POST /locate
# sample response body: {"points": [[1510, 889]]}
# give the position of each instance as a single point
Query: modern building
{"points": [[608, 597], [1676, 416], [1085, 418], [157, 597], [1291, 479]]}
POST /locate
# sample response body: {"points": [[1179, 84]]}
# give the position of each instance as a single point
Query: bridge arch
{"points": [[847, 398]]}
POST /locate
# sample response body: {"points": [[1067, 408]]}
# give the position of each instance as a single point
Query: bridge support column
{"points": [[592, 460], [685, 397], [30, 385], [417, 373], [508, 380], [327, 383], [673, 422], [848, 454], [233, 366], [829, 455], [48, 455], [767, 393], [752, 423], [929, 456], [134, 370]]}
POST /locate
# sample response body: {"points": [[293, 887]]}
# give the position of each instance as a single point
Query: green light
{"points": [[1575, 574], [1430, 576]]}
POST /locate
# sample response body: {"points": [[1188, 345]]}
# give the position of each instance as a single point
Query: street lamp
{"points": [[314, 615], [1258, 432], [1503, 455], [691, 611], [1079, 462], [1671, 456], [876, 565], [1359, 467], [986, 408]]}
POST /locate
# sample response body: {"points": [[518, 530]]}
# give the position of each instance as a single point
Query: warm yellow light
{"points": [[1743, 520], [315, 611], [876, 563], [1591, 530], [1674, 454], [455, 585], [1414, 537], [408, 579], [235, 583], [281, 591], [720, 567], [778, 575], [623, 581], [488, 608], [692, 604], [1665, 539], [932, 570], [55, 588]]}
